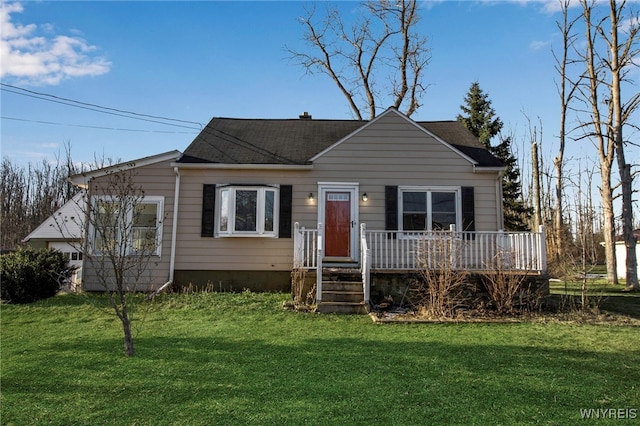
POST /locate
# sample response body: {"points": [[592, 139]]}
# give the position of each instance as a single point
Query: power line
{"points": [[98, 108], [91, 127]]}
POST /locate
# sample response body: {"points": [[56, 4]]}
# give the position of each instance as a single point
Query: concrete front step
{"points": [[342, 308], [343, 296], [342, 286], [341, 275], [342, 292]]}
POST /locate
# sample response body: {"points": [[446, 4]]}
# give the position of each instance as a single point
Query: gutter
{"points": [[480, 169], [226, 166], [174, 235], [499, 199]]}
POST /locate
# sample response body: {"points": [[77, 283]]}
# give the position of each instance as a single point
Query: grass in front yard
{"points": [[609, 297], [240, 359]]}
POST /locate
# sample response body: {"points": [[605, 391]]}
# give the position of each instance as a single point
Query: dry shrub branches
{"points": [[440, 291]]}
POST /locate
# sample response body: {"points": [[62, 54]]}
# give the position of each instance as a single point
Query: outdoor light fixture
{"points": [[311, 196], [365, 197]]}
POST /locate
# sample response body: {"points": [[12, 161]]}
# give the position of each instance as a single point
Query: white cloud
{"points": [[539, 44], [36, 59], [630, 23], [546, 6]]}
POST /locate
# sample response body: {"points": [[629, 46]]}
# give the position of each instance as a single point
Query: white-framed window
{"points": [[429, 208], [126, 227], [247, 211]]}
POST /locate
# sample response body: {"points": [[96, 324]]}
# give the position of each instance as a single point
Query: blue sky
{"points": [[195, 60]]}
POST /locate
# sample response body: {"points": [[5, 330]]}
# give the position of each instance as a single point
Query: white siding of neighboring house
{"points": [[621, 259], [64, 224]]}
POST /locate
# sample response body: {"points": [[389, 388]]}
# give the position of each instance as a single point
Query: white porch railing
{"points": [[398, 250], [305, 242], [471, 251], [308, 252]]}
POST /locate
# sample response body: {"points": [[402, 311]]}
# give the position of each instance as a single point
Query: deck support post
{"points": [[319, 255]]}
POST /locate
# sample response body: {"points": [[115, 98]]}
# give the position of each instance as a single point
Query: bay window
{"points": [[247, 211]]}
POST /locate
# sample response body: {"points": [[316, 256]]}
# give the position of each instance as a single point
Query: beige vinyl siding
{"points": [[157, 180], [390, 151], [409, 157], [195, 252]]}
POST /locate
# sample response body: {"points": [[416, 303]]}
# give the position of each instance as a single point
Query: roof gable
{"points": [[64, 224], [424, 127]]}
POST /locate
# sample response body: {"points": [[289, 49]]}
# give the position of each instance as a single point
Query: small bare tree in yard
{"points": [[580, 263], [379, 57], [440, 291], [122, 238]]}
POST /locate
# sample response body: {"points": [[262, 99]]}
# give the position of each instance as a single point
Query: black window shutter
{"points": [[391, 208], [468, 210], [208, 210], [286, 199]]}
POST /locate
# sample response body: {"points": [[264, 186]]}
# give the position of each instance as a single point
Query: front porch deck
{"points": [[401, 252]]}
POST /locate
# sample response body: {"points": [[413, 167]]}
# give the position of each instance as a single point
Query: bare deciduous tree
{"points": [[566, 89], [608, 60], [31, 193], [619, 61], [121, 240], [379, 57], [599, 131]]}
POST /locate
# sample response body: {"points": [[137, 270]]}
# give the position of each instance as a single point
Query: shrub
{"points": [[441, 290], [29, 275]]}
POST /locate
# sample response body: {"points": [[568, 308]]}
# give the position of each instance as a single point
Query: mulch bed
{"points": [[403, 316]]}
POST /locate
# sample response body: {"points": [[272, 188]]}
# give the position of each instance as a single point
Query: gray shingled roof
{"points": [[295, 141]]}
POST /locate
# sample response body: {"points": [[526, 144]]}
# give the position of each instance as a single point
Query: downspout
{"points": [[174, 235], [499, 200], [85, 229]]}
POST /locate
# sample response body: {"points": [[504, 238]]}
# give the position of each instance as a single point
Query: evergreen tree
{"points": [[480, 118], [516, 213]]}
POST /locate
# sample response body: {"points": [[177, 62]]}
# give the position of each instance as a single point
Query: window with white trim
{"points": [[247, 211], [125, 227], [429, 209]]}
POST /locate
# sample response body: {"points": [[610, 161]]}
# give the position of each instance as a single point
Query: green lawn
{"points": [[240, 359], [609, 297]]}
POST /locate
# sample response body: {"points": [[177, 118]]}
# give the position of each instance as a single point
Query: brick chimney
{"points": [[305, 116]]}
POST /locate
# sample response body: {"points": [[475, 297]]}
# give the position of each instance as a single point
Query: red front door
{"points": [[337, 218]]}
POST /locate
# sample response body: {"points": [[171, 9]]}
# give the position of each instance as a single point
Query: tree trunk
{"points": [[624, 169], [631, 273], [128, 338], [126, 328], [536, 186], [609, 223]]}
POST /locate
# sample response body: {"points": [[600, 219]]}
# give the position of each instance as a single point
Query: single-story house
{"points": [[251, 199]]}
